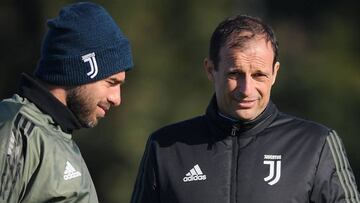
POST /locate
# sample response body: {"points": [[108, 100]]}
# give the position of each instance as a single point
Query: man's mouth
{"points": [[104, 109], [247, 103]]}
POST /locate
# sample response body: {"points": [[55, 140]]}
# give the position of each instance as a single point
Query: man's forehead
{"points": [[256, 50]]}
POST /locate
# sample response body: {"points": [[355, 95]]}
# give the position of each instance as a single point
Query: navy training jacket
{"points": [[276, 158]]}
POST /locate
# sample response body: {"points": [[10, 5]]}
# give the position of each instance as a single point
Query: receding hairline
{"points": [[233, 42]]}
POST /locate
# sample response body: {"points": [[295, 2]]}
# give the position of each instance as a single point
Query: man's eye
{"points": [[233, 75], [260, 76], [111, 83]]}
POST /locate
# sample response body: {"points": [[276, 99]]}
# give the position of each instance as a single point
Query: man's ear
{"points": [[209, 68], [276, 69]]}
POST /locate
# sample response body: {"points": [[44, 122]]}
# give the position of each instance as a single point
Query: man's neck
{"points": [[59, 93]]}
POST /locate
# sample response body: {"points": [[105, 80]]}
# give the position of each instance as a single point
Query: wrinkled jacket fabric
{"points": [[277, 158]]}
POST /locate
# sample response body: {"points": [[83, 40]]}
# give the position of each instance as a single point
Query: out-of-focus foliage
{"points": [[319, 77]]}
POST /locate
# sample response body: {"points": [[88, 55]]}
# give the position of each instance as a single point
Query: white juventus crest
{"points": [[93, 65], [274, 162]]}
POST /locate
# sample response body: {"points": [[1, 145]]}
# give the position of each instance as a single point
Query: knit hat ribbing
{"points": [[83, 45]]}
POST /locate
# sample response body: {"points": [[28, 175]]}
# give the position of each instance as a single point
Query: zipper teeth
{"points": [[234, 130], [234, 167], [237, 168]]}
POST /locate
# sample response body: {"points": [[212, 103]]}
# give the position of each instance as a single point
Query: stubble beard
{"points": [[81, 104]]}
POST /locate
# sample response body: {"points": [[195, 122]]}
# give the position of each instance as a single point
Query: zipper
{"points": [[234, 130], [234, 165]]}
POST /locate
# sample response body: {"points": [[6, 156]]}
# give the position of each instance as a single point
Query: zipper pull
{"points": [[234, 130]]}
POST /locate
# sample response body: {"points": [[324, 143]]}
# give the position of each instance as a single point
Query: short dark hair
{"points": [[231, 28]]}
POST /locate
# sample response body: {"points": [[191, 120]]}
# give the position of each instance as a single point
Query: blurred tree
{"points": [[20, 36]]}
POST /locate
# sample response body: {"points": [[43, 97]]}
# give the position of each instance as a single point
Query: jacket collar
{"points": [[231, 127], [46, 102]]}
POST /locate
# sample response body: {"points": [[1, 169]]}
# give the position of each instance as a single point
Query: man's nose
{"points": [[245, 85], [114, 97]]}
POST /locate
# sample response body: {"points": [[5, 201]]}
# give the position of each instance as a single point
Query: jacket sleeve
{"points": [[13, 141], [334, 179], [146, 186]]}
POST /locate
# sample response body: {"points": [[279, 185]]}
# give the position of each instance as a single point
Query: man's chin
{"points": [[245, 115], [90, 124]]}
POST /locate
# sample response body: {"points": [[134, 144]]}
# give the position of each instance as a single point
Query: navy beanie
{"points": [[83, 45]]}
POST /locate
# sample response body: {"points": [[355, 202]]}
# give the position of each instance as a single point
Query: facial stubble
{"points": [[80, 102]]}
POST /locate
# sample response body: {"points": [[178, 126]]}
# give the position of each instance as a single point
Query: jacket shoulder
{"points": [[18, 113], [9, 108], [13, 118], [304, 126], [182, 131]]}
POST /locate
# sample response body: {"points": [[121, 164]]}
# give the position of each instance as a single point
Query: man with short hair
{"points": [[244, 149], [78, 78]]}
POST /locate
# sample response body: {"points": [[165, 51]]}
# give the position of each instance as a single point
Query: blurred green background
{"points": [[319, 77]]}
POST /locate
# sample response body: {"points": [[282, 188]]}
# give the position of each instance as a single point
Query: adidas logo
{"points": [[70, 172], [195, 174]]}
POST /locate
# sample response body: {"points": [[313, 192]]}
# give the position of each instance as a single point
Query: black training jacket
{"points": [[276, 158]]}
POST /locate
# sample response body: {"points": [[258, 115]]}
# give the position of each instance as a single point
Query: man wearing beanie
{"points": [[83, 62]]}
